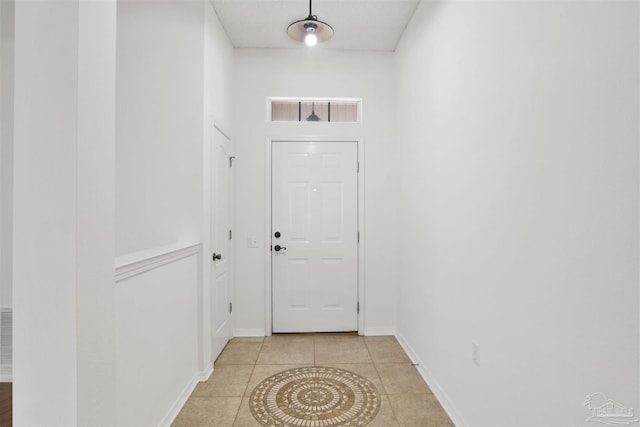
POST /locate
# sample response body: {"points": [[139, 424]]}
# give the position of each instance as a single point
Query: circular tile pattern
{"points": [[315, 396]]}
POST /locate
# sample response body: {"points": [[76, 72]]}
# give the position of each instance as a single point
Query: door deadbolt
{"points": [[216, 256], [278, 248], [277, 234]]}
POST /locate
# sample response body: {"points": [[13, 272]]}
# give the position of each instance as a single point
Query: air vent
{"points": [[6, 344]]}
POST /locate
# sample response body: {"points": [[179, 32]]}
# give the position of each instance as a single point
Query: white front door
{"points": [[314, 236], [220, 259]]}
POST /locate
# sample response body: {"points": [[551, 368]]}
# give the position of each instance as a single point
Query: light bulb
{"points": [[310, 39]]}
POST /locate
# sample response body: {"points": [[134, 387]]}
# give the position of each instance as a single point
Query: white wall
{"points": [[6, 150], [173, 73], [86, 185], [157, 334], [63, 213], [218, 73], [95, 174], [314, 73], [218, 57], [518, 139], [45, 215], [95, 225], [160, 101]]}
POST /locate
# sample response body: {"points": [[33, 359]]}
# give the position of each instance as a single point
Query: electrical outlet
{"points": [[475, 353], [252, 242]]}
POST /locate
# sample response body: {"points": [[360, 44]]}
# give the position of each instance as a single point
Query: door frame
{"points": [[268, 279]]}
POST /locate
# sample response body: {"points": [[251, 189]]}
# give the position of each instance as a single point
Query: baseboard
{"points": [[248, 332], [379, 331], [438, 391], [204, 375], [372, 332], [184, 396]]}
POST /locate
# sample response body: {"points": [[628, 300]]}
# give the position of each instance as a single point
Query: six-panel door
{"points": [[315, 259], [221, 284]]}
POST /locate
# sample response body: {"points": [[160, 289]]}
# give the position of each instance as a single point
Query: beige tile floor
{"points": [[223, 400]]}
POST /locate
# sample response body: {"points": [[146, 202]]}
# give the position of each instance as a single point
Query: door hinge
{"points": [[358, 167], [230, 307], [230, 234], [231, 160], [358, 307], [358, 237]]}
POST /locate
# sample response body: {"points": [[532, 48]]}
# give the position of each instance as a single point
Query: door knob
{"points": [[216, 256], [278, 248]]}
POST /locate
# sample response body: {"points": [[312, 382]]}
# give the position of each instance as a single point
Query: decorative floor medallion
{"points": [[315, 396]]}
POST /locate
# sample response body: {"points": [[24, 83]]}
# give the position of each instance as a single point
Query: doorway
{"points": [[314, 236]]}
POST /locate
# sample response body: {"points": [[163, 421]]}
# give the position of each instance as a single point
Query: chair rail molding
{"points": [[130, 265]]}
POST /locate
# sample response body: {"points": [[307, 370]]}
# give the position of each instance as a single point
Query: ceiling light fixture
{"points": [[309, 30], [313, 117]]}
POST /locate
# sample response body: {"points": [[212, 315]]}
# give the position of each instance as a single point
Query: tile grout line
{"points": [[386, 394], [375, 366], [235, 420], [384, 359]]}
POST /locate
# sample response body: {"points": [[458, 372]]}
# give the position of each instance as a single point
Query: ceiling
{"points": [[375, 25]]}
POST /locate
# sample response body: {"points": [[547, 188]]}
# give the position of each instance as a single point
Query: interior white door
{"points": [[314, 236], [220, 259]]}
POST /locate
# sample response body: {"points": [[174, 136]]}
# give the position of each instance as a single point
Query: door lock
{"points": [[278, 248], [216, 256], [277, 234]]}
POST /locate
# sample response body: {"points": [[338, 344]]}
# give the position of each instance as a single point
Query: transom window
{"points": [[314, 110]]}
